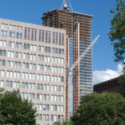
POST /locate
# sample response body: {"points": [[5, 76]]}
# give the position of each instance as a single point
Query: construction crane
{"points": [[68, 6], [65, 4], [70, 71]]}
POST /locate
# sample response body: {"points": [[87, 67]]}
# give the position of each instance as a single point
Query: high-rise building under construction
{"points": [[78, 28]]}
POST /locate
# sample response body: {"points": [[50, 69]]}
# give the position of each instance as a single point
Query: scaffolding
{"points": [[65, 19]]}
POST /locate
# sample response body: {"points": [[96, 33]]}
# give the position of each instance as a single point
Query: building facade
{"points": [[78, 29], [111, 85], [33, 60]]}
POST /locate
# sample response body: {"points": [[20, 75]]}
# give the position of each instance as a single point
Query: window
{"points": [[18, 55], [9, 84], [57, 69], [30, 34], [54, 37], [11, 74], [15, 31], [62, 78], [2, 63], [1, 83], [17, 65], [47, 36], [54, 118], [10, 54], [39, 117], [25, 76], [29, 96], [27, 46], [32, 57], [26, 85], [40, 36], [39, 96], [2, 73], [10, 64], [58, 51], [61, 51], [26, 56], [11, 44], [2, 52], [10, 34], [13, 34], [32, 66], [57, 78], [18, 45], [41, 49], [17, 35], [47, 68], [21, 36], [62, 61], [47, 59], [57, 60], [47, 49], [35, 34], [45, 107], [62, 39], [25, 65], [40, 57], [54, 107], [40, 67], [16, 85], [5, 33], [46, 87], [25, 33], [62, 98], [4, 30], [32, 47], [39, 86], [43, 36], [60, 42], [3, 43]]}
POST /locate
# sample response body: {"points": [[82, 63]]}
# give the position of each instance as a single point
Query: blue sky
{"points": [[31, 11]]}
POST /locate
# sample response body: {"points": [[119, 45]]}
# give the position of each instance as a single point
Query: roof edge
{"points": [[72, 12]]}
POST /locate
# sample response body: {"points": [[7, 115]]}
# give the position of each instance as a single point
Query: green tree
{"points": [[57, 123], [15, 111], [117, 36], [117, 30], [64, 123], [101, 109]]}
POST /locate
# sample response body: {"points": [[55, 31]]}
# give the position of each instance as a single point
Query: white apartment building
{"points": [[32, 59]]}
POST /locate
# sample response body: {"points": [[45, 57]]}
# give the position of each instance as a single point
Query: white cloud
{"points": [[104, 75]]}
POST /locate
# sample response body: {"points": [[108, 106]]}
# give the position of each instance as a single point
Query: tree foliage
{"points": [[117, 30], [64, 123], [101, 109], [15, 111]]}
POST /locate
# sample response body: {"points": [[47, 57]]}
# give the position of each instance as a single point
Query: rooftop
{"points": [[67, 11]]}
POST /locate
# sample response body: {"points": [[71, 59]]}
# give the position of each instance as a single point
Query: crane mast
{"points": [[65, 4]]}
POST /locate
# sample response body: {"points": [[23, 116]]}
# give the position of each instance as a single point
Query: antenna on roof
{"points": [[65, 4]]}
